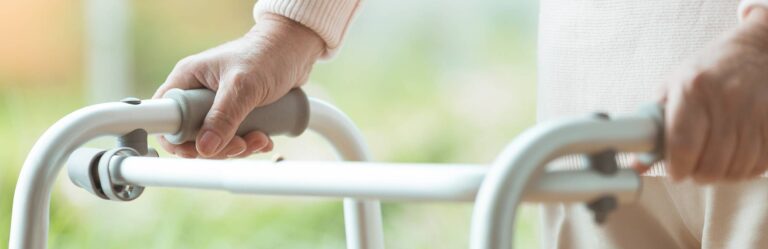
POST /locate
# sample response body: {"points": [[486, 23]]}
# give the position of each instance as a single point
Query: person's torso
{"points": [[613, 55]]}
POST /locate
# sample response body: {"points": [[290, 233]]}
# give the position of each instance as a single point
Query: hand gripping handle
{"points": [[287, 116]]}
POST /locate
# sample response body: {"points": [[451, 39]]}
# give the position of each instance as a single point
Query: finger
{"points": [[183, 76], [264, 145], [745, 155], [234, 99], [186, 150], [234, 148], [268, 147], [719, 147], [256, 140], [167, 146], [685, 132]]}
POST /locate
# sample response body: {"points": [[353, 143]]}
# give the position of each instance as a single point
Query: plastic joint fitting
{"points": [[91, 169], [605, 163], [113, 191]]}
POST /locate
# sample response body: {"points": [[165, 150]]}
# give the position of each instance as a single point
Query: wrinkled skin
{"points": [[716, 123], [256, 69]]}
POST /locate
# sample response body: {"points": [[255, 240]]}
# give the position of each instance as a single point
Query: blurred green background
{"points": [[427, 81]]}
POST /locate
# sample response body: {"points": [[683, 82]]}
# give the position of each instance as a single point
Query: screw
{"points": [[277, 158], [604, 162], [131, 101], [602, 207], [602, 115]]}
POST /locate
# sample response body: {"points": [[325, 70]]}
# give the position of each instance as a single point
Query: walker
{"points": [[518, 173]]}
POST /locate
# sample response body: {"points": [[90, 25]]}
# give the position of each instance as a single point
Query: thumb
{"points": [[233, 101]]}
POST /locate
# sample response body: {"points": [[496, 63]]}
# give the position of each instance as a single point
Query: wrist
{"points": [[283, 31]]}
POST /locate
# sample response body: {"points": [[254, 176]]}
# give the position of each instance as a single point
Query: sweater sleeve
{"points": [[746, 5], [328, 18]]}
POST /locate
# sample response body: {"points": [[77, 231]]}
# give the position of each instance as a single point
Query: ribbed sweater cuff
{"points": [[746, 5], [328, 18]]}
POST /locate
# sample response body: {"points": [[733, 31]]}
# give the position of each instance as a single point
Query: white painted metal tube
{"points": [[31, 200], [363, 180], [362, 219], [29, 221], [521, 163]]}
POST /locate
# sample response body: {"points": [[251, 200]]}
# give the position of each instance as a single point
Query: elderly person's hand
{"points": [[275, 56], [716, 124]]}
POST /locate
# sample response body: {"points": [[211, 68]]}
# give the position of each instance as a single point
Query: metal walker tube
{"points": [[31, 202], [362, 219], [523, 160], [363, 180], [517, 174]]}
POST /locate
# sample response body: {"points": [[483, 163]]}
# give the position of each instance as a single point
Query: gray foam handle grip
{"points": [[287, 116]]}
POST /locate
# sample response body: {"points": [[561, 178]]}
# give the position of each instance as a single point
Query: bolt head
{"points": [[131, 101]]}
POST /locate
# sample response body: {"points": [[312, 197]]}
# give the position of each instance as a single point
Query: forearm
{"points": [[328, 18], [293, 37]]}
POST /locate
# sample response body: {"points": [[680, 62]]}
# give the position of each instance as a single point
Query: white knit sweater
{"points": [[594, 55], [328, 18]]}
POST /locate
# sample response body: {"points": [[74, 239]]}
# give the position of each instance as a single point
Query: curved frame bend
{"points": [[523, 161], [31, 202], [362, 218]]}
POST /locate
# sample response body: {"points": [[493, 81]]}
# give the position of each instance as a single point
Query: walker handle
{"points": [[288, 115]]}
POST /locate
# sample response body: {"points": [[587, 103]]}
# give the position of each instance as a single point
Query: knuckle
{"points": [[263, 93], [698, 82], [238, 78], [700, 77], [187, 63], [218, 119], [253, 91]]}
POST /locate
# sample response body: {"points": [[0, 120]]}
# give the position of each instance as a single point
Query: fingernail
{"points": [[209, 142], [182, 153], [235, 152], [185, 155], [259, 147]]}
